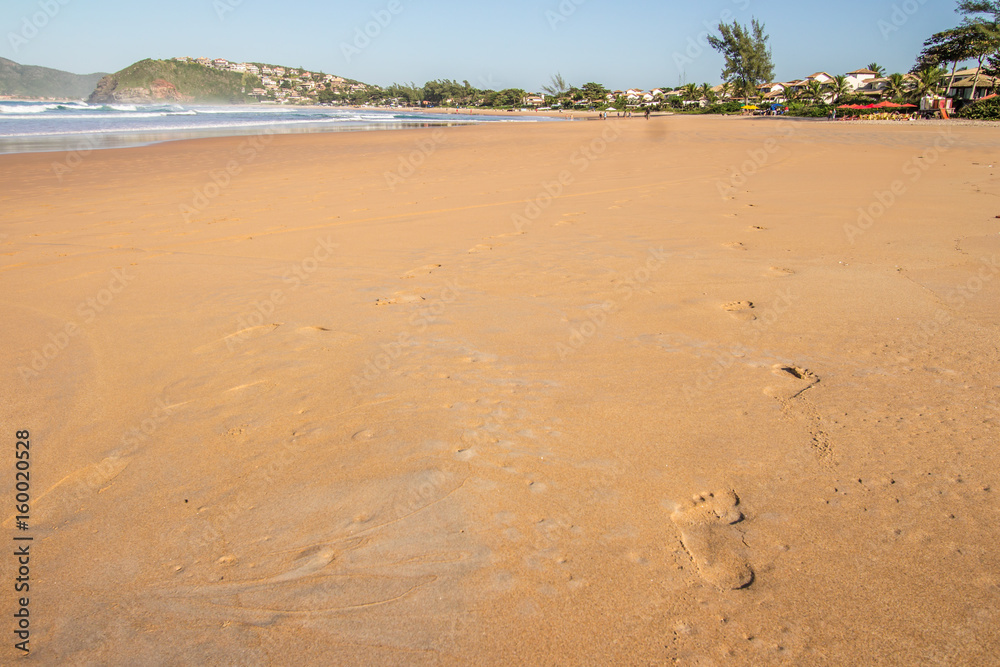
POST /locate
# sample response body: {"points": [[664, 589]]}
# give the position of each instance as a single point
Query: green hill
{"points": [[168, 80], [29, 81]]}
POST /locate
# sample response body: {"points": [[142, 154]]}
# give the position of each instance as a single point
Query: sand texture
{"points": [[601, 392]]}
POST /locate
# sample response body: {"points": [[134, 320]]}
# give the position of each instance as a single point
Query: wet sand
{"points": [[631, 392]]}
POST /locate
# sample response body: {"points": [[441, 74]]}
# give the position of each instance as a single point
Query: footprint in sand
{"points": [[240, 336], [736, 245], [421, 270], [399, 297], [795, 381], [704, 525], [482, 247], [779, 271], [740, 310]]}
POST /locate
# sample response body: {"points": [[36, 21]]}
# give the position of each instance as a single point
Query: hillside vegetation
{"points": [[29, 81], [167, 80]]}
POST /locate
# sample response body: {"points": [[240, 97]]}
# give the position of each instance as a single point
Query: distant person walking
{"points": [[647, 114]]}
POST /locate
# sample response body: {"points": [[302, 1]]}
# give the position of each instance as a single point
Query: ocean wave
{"points": [[246, 110], [25, 108], [123, 107]]}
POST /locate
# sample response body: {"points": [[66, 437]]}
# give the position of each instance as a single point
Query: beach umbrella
{"points": [[750, 106]]}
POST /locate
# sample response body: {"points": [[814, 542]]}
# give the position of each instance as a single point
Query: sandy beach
{"points": [[692, 390]]}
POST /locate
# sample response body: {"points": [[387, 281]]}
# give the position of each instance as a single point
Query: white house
{"points": [[821, 77], [859, 77], [769, 88]]}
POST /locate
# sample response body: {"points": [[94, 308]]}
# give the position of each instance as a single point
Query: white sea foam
{"points": [[25, 109]]}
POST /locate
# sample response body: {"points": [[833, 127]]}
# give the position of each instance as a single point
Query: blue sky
{"points": [[515, 43]]}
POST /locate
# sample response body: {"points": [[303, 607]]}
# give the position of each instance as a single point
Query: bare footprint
{"points": [[422, 270], [736, 245], [399, 297], [795, 381], [704, 525], [779, 271], [741, 310]]}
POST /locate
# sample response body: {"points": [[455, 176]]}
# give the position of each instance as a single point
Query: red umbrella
{"points": [[886, 105]]}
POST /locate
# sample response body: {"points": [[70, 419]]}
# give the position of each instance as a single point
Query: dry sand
{"points": [[462, 420]]}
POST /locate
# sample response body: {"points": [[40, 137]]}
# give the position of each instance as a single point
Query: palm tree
{"points": [[707, 92], [878, 69], [816, 91], [792, 94], [928, 81], [727, 90], [691, 92], [895, 87], [840, 87]]}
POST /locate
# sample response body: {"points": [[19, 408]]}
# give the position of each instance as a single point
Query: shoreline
{"points": [[119, 138]]}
